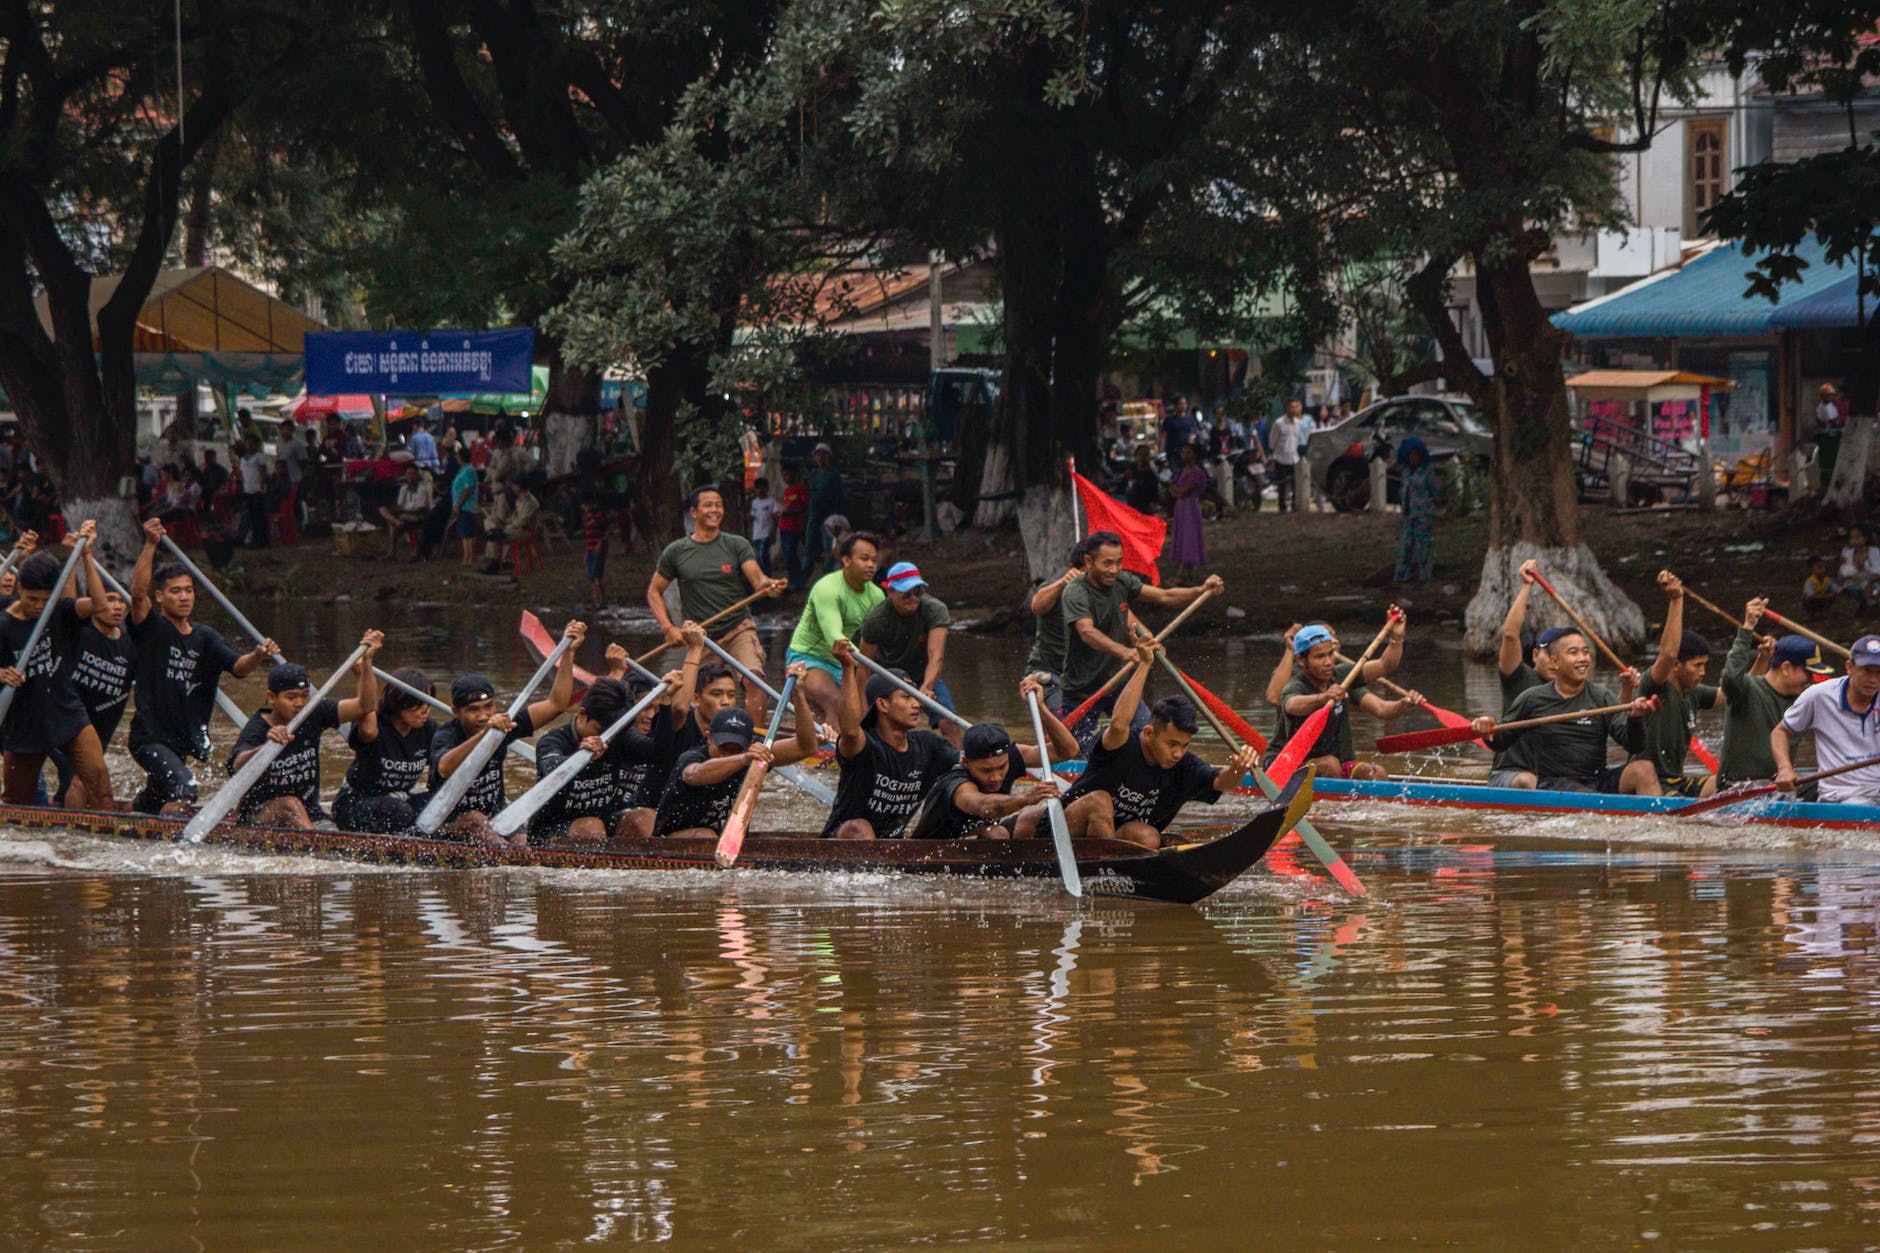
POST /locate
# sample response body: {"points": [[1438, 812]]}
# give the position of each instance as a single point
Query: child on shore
{"points": [[594, 542], [764, 513], [1818, 589]]}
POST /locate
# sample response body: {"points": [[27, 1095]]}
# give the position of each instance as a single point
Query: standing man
{"points": [[1677, 680], [790, 528], [1846, 723], [179, 662], [424, 447], [714, 570], [1178, 428], [1756, 702], [254, 472], [1287, 439], [908, 632], [1222, 445], [1096, 621], [1047, 642], [834, 611], [825, 500], [463, 510], [1308, 491]]}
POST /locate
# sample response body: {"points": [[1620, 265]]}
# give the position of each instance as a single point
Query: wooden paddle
{"points": [[1799, 629], [1082, 711], [726, 612], [1060, 830], [1248, 734], [39, 625], [517, 813], [1736, 794], [1436, 736], [795, 776], [1299, 747], [223, 803], [731, 839], [444, 800], [1448, 717], [1327, 855]]}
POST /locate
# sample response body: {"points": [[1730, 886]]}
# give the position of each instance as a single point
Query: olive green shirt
{"points": [[1754, 710], [1085, 669], [901, 639], [710, 578], [1669, 728]]}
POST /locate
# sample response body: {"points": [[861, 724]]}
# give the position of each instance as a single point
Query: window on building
{"points": [[1707, 175]]}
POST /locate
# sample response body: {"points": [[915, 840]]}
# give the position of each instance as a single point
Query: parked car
{"points": [[1338, 456]]}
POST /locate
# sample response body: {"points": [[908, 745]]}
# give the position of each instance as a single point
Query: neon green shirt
{"points": [[833, 611]]}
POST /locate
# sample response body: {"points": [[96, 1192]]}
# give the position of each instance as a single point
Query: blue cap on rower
{"points": [[1866, 651], [286, 677], [880, 687], [1799, 650], [732, 726], [1551, 634], [903, 577], [1306, 637], [469, 689], [983, 740]]}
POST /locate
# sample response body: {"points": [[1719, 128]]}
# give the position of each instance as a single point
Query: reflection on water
{"points": [[1560, 1047]]}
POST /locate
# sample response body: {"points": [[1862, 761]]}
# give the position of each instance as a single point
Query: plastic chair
{"points": [[284, 524], [526, 547]]}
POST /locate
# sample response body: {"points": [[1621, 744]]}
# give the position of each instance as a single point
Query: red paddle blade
{"points": [[1721, 799], [1294, 754], [731, 839], [1703, 754], [1435, 737], [1225, 712], [541, 643]]}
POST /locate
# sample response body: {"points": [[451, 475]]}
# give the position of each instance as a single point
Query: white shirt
{"points": [[1841, 736], [415, 497], [254, 467], [764, 511], [294, 457], [1867, 569], [1287, 439]]}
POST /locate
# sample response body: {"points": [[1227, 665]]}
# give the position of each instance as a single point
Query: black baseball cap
{"points": [[469, 689], [286, 677], [880, 687], [983, 740], [732, 726]]}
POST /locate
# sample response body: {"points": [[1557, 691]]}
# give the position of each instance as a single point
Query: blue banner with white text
{"points": [[418, 363]]}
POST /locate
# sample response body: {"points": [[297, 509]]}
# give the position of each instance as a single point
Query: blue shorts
{"points": [[466, 526], [945, 698], [830, 668], [596, 563]]}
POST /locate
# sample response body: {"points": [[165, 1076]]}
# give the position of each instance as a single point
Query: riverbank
{"points": [[1278, 568]]}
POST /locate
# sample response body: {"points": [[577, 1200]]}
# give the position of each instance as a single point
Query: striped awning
{"points": [[1709, 296]]}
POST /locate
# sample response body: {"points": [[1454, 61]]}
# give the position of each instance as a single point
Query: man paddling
{"points": [[1756, 702], [1321, 679], [887, 760], [1096, 621], [1136, 780], [100, 669], [179, 662], [1845, 721], [908, 632], [1566, 756], [974, 800], [1676, 679], [391, 742], [1047, 641], [714, 570], [475, 713], [47, 716], [705, 781], [603, 801], [834, 610], [288, 792], [1521, 660]]}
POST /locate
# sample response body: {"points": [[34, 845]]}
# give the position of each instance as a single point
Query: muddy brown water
{"points": [[1563, 1032]]}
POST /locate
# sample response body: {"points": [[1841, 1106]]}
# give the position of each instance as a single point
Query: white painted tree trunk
{"points": [[1046, 528], [119, 537], [1851, 492], [994, 479], [1576, 575], [564, 435]]}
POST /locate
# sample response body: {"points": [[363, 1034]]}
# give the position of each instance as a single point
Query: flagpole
{"points": [[1077, 520]]}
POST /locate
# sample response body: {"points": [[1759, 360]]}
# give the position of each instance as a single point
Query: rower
{"points": [[705, 781], [834, 610], [1845, 721], [1136, 780], [391, 744], [974, 800], [47, 715], [1047, 641], [1522, 660], [1283, 668], [179, 662], [908, 632], [887, 760], [714, 570], [288, 792], [641, 781], [100, 669], [1096, 624], [1566, 756], [1320, 678], [474, 712], [1677, 680], [604, 800], [1756, 702]]}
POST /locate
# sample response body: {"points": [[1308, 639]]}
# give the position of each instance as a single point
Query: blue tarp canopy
{"points": [[1708, 296], [1834, 307]]}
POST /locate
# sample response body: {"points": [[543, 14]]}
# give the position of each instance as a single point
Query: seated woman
{"points": [[391, 746], [410, 510]]}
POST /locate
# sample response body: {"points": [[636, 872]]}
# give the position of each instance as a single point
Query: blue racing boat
{"points": [[1468, 794]]}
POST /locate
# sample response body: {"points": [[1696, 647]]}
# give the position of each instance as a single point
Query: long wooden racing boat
{"points": [[1464, 794], [1178, 873]]}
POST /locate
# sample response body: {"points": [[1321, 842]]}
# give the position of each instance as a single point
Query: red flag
{"points": [[1143, 536]]}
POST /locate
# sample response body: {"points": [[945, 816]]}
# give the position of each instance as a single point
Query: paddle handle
{"points": [[1579, 622], [1723, 800], [1570, 716], [1160, 637], [524, 807], [1232, 741], [724, 655], [1799, 629], [731, 839], [927, 702], [39, 625], [728, 610], [1719, 610], [1377, 641]]}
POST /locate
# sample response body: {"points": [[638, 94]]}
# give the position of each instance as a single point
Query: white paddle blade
{"points": [[223, 803], [444, 801], [815, 789], [1067, 857], [517, 813]]}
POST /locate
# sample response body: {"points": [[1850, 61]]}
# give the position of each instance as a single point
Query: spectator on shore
{"points": [[513, 508], [1142, 487], [1223, 443], [1416, 530], [253, 528], [413, 506], [1188, 543], [1819, 589], [792, 525], [297, 454], [1178, 428], [1859, 575], [423, 446], [825, 498], [594, 541], [213, 477], [1288, 441], [463, 510], [764, 511], [505, 458]]}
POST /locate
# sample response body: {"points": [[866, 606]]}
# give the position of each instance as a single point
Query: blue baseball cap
{"points": [[1866, 651], [1553, 633], [1308, 636], [903, 576], [1799, 650]]}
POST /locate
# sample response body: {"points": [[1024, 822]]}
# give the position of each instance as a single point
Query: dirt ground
{"points": [[1278, 568]]}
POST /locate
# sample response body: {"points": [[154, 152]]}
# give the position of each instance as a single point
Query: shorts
{"points": [[1691, 785], [1607, 784], [743, 642], [1504, 778], [596, 564], [168, 777], [392, 814], [944, 697], [466, 526], [830, 668]]}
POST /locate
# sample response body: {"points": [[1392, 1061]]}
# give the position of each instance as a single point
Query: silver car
{"points": [[1338, 456]]}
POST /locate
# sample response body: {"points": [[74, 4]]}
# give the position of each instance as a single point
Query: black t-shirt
{"points": [[1139, 791], [885, 786], [296, 772], [687, 736], [687, 805], [940, 819], [46, 712], [176, 678], [1565, 750], [641, 780], [608, 785], [391, 763], [102, 669], [487, 795]]}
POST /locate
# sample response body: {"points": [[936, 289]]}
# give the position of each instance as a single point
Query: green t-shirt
{"points": [[1753, 712], [710, 578], [1047, 644], [1335, 737], [1512, 685], [1570, 752], [1085, 669], [902, 638], [1669, 728], [833, 611]]}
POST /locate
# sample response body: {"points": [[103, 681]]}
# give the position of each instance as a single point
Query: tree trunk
{"points": [[677, 390], [1046, 528], [570, 419], [196, 222], [1533, 506], [1849, 494]]}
